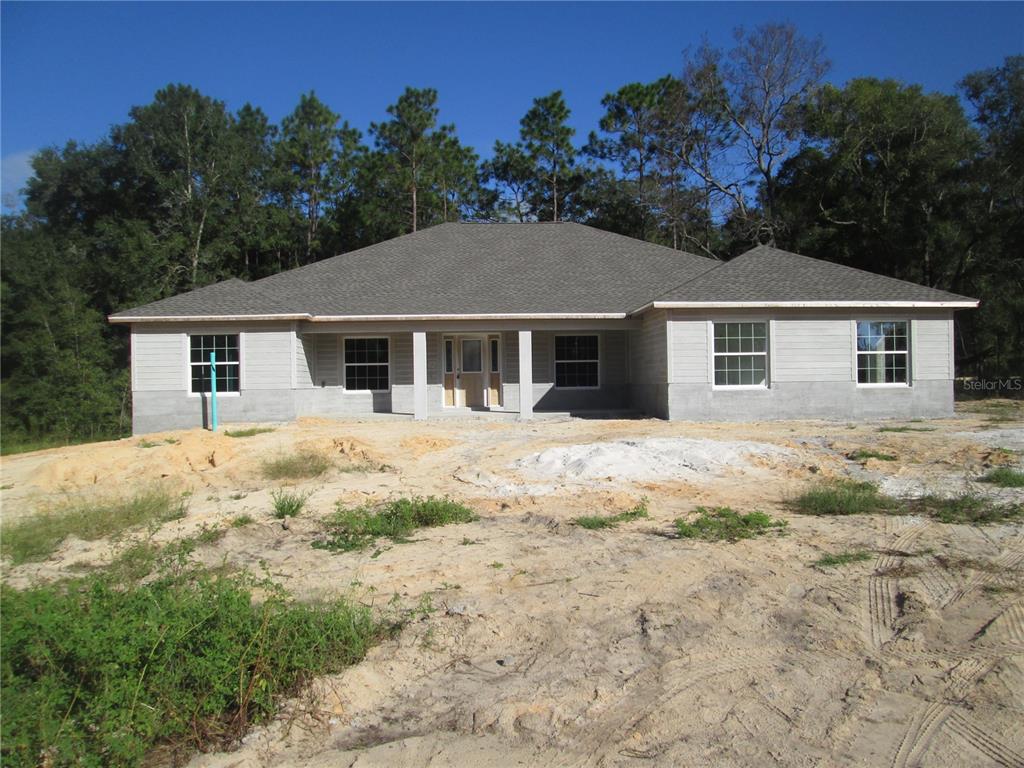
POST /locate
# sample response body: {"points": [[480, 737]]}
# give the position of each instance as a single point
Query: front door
{"points": [[469, 375]]}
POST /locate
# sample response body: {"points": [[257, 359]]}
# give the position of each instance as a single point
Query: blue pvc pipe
{"points": [[213, 390]]}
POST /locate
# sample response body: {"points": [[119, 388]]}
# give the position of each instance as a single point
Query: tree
{"points": [[547, 140], [511, 170], [632, 118], [410, 145], [317, 159], [736, 115]]}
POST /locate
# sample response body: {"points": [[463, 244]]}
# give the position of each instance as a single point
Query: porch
{"points": [[457, 371]]}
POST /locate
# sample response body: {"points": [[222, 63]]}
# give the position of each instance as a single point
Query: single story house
{"points": [[553, 316]]}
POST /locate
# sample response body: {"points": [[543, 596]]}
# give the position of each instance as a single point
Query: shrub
{"points": [[840, 497], [248, 432], [725, 524], [98, 674], [36, 537], [595, 522], [296, 466], [288, 504], [242, 520], [1004, 477], [352, 529], [906, 429], [843, 558]]}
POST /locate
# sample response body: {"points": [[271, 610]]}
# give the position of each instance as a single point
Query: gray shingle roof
{"points": [[536, 268], [766, 274]]}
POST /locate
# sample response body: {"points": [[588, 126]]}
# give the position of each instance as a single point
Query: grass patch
{"points": [[36, 537], [843, 558], [968, 509], [906, 429], [14, 443], [248, 432], [242, 520], [851, 497], [725, 524], [863, 454], [354, 529], [840, 497], [287, 503], [300, 465], [100, 672], [597, 522], [1004, 477]]}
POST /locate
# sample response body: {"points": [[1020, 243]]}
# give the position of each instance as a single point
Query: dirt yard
{"points": [[540, 643]]}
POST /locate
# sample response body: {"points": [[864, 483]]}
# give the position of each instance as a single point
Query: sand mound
{"points": [[652, 459], [424, 444]]}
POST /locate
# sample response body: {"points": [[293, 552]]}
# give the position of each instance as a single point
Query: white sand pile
{"points": [[652, 459]]}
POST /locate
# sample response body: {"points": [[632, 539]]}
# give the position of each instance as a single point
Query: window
{"points": [[449, 356], [577, 363], [226, 348], [741, 354], [472, 352], [882, 352], [494, 356], [366, 364]]}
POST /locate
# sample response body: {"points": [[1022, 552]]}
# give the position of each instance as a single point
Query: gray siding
{"points": [[812, 368], [267, 358], [158, 360], [648, 348]]}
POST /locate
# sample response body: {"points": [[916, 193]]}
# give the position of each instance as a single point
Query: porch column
{"points": [[525, 374], [419, 374]]}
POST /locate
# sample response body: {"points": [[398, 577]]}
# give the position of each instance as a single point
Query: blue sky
{"points": [[71, 70]]}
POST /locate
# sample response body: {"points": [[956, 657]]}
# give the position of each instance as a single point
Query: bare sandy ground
{"points": [[541, 643]]}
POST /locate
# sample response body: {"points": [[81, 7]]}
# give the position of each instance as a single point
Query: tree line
{"points": [[741, 146]]}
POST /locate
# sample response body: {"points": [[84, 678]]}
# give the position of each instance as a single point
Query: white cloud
{"points": [[16, 171]]}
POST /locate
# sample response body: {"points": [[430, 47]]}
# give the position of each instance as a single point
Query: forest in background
{"points": [[738, 147]]}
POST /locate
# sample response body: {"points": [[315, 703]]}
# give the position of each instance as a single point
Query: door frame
{"points": [[485, 368]]}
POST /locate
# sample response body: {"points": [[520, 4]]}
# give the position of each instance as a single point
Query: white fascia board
{"points": [[969, 303], [202, 318], [372, 318]]}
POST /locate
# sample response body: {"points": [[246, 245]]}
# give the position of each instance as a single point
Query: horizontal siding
{"points": [[931, 343], [819, 349], [327, 363], [267, 359], [689, 350], [305, 346], [158, 359]]}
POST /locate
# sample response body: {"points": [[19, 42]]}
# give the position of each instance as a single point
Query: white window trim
{"points": [[769, 353], [909, 353], [187, 356], [555, 361], [345, 363]]}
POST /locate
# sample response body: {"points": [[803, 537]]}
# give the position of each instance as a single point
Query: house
{"points": [[546, 317]]}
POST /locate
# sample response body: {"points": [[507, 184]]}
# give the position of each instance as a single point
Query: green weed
{"points": [[1004, 477], [840, 497], [248, 432], [969, 509], [36, 537], [100, 672], [296, 466], [725, 524], [863, 454], [242, 520], [596, 522], [843, 558], [354, 529], [906, 429], [288, 503]]}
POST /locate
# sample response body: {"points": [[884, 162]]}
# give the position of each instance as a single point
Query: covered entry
{"points": [[472, 370]]}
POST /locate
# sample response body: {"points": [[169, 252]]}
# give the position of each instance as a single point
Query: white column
{"points": [[525, 375], [419, 374]]}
